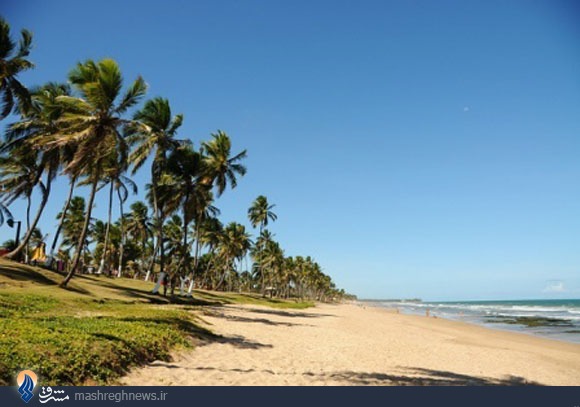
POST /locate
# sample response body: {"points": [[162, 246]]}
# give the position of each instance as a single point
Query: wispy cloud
{"points": [[554, 286]]}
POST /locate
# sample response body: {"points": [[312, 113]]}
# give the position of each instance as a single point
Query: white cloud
{"points": [[554, 286]]}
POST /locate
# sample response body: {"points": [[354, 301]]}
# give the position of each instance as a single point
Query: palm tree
{"points": [[117, 181], [40, 120], [19, 174], [234, 244], [73, 222], [260, 212], [260, 245], [123, 185], [184, 165], [154, 134], [220, 168], [11, 64], [91, 124], [138, 226], [210, 232]]}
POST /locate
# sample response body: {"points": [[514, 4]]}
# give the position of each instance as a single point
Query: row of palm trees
{"points": [[92, 131]]}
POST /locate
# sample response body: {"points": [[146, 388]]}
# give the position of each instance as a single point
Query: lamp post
{"points": [[11, 223]]}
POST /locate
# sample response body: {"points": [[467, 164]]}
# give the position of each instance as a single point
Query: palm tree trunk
{"points": [[161, 255], [218, 286], [183, 261], [195, 256], [107, 231], [159, 225], [122, 247], [60, 224], [26, 248], [24, 243], [83, 236], [155, 243], [153, 254]]}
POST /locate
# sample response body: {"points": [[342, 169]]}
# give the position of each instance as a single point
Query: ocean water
{"points": [[556, 319]]}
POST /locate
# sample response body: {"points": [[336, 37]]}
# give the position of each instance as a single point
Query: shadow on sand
{"points": [[420, 377], [289, 314], [237, 318]]}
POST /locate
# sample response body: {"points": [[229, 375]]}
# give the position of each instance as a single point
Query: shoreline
{"points": [[517, 329], [347, 344]]}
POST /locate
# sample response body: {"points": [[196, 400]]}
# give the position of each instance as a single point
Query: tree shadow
{"points": [[420, 377], [288, 314], [153, 298], [24, 273], [218, 298], [264, 321], [237, 341], [202, 336]]}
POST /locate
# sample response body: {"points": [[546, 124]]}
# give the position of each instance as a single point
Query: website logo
{"points": [[26, 380], [47, 394]]}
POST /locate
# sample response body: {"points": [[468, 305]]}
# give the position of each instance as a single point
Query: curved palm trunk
{"points": [[122, 247], [107, 231], [24, 242], [61, 223], [83, 236]]}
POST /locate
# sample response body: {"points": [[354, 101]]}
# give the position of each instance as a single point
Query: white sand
{"points": [[352, 345]]}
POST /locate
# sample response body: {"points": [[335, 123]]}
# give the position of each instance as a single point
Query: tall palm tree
{"points": [[234, 244], [220, 167], [210, 233], [138, 226], [203, 210], [92, 125], [39, 121], [259, 270], [12, 62], [116, 181], [19, 175], [73, 222], [184, 165], [260, 212], [123, 185], [154, 134]]}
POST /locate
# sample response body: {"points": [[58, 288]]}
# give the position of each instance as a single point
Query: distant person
{"points": [[165, 282]]}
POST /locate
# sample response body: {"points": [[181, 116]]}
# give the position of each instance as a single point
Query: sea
{"points": [[556, 319]]}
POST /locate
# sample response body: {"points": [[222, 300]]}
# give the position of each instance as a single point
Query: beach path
{"points": [[350, 344]]}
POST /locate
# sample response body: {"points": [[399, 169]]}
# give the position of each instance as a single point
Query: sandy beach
{"points": [[353, 345]]}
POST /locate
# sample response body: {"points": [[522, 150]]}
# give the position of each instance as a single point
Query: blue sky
{"points": [[414, 148]]}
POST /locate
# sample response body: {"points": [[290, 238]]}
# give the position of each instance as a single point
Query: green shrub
{"points": [[72, 350]]}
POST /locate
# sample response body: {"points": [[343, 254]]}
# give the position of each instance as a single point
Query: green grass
{"points": [[96, 329]]}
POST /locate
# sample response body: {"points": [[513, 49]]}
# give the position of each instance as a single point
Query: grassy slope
{"points": [[97, 328]]}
